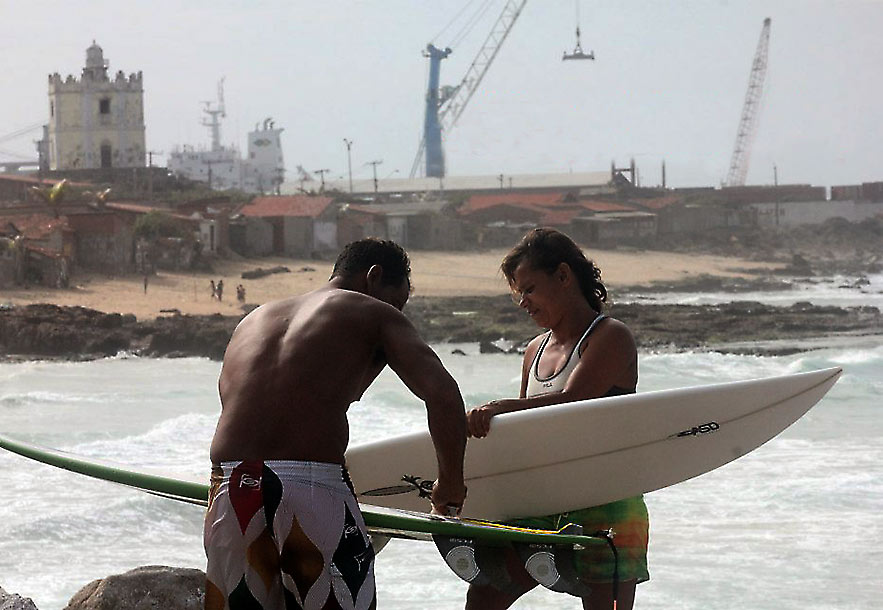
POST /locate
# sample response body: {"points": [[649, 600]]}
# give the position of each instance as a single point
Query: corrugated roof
{"points": [[569, 180], [137, 208], [656, 203], [304, 206]]}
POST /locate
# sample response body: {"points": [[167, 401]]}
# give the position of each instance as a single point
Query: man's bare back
{"points": [[301, 362], [293, 367]]}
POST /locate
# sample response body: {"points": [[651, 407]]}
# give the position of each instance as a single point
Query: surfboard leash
{"points": [[608, 535]]}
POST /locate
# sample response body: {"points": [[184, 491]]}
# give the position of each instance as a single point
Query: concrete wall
{"points": [[298, 236], [258, 237], [814, 212]]}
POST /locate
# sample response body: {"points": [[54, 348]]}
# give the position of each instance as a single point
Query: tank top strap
{"points": [[536, 357], [588, 332]]}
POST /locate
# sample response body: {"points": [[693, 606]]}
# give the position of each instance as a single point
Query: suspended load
{"points": [[578, 52]]}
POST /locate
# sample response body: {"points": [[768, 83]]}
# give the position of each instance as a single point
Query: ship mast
{"points": [[215, 115]]}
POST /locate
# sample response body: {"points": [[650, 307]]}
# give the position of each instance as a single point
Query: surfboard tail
{"points": [[513, 567]]}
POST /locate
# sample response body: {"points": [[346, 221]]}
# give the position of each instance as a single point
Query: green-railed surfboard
{"points": [[473, 549]]}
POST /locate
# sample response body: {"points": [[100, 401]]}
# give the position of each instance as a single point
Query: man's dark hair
{"points": [[544, 249], [361, 255]]}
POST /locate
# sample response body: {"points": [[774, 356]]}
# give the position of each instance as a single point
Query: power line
{"points": [[21, 132]]}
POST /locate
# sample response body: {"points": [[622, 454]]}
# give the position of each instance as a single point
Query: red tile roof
{"points": [[480, 202], [303, 206], [595, 205], [554, 217], [36, 226]]}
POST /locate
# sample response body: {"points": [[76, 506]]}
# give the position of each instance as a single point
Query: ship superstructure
{"points": [[222, 167]]}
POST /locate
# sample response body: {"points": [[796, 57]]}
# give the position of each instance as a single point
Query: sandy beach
{"points": [[434, 274]]}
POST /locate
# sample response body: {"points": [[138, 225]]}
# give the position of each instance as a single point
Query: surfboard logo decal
{"points": [[422, 486], [711, 426]]}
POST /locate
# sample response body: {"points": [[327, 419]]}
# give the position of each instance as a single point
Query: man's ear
{"points": [[374, 275], [564, 273]]}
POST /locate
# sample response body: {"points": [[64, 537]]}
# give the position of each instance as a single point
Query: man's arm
{"points": [[421, 370]]}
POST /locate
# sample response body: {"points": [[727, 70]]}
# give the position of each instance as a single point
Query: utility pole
{"points": [[500, 178], [374, 164], [349, 160], [776, 186], [321, 173]]}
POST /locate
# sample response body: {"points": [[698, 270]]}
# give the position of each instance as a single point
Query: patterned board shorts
{"points": [[630, 524], [281, 535]]}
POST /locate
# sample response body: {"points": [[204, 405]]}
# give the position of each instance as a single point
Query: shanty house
{"points": [[38, 248], [296, 226], [416, 225]]}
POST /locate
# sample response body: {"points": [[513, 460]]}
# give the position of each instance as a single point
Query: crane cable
{"points": [[453, 19], [468, 25]]}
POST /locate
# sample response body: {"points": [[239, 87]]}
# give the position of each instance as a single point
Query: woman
{"points": [[583, 355]]}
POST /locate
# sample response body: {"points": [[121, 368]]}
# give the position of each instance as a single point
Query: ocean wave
{"points": [[180, 443]]}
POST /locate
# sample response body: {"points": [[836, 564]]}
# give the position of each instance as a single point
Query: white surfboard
{"points": [[573, 455]]}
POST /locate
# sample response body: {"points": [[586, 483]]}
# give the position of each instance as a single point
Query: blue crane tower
{"points": [[445, 105], [435, 156]]}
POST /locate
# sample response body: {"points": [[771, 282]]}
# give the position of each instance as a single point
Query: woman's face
{"points": [[538, 293]]}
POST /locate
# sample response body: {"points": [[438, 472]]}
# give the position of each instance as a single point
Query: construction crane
{"points": [[444, 106], [748, 122]]}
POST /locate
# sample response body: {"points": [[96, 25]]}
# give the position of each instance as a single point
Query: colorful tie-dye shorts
{"points": [[283, 534]]}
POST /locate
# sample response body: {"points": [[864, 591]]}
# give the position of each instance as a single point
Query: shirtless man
{"points": [[283, 528]]}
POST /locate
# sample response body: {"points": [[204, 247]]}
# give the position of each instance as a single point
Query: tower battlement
{"points": [[120, 82], [96, 120]]}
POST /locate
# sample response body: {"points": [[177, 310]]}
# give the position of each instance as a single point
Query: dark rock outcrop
{"points": [[144, 588], [76, 333], [50, 331]]}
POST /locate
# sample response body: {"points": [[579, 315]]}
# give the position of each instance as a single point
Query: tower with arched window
{"points": [[96, 121]]}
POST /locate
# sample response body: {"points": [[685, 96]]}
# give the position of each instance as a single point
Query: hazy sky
{"points": [[668, 83]]}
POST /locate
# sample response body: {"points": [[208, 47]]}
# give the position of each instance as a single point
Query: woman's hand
{"points": [[478, 420]]}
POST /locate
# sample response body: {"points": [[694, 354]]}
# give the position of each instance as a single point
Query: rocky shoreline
{"points": [[44, 331]]}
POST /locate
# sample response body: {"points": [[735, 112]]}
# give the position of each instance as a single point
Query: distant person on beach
{"points": [[583, 355], [283, 525], [145, 282], [214, 289], [219, 290], [240, 293]]}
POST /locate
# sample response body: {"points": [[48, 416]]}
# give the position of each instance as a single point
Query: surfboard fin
{"points": [[551, 565], [480, 565]]}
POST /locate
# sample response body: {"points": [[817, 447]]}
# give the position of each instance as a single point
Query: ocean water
{"points": [[840, 291], [797, 524]]}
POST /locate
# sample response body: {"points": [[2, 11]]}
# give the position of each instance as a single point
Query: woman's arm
{"points": [[609, 359]]}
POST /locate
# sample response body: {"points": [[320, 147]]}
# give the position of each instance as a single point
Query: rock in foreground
{"points": [[13, 601], [144, 588]]}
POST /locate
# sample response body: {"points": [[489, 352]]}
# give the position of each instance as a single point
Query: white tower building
{"points": [[96, 122]]}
